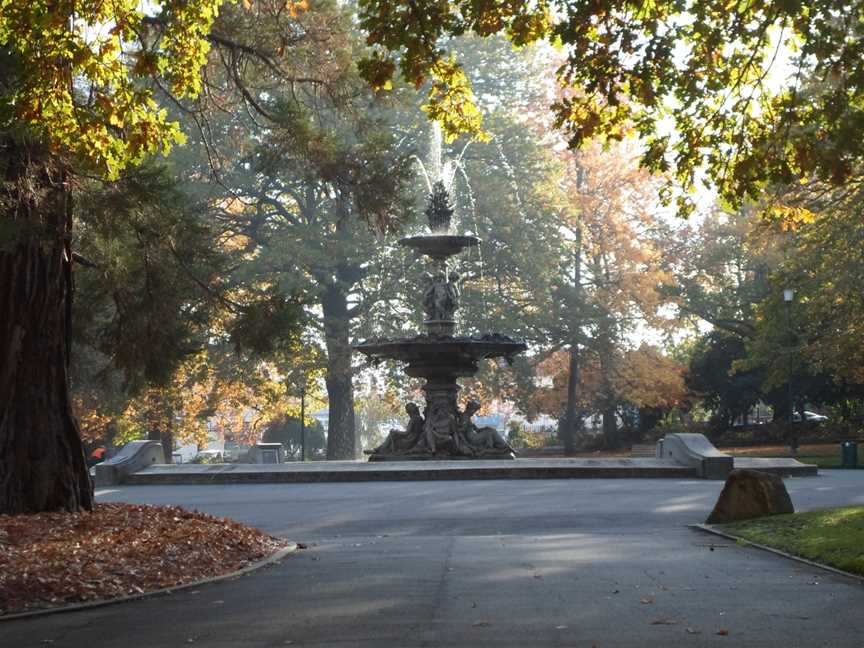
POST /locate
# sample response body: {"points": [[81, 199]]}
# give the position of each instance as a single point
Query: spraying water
{"points": [[435, 168]]}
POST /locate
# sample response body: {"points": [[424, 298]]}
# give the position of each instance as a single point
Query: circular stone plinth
{"points": [[440, 328], [440, 246]]}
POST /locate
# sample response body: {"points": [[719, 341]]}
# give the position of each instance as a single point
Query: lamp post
{"points": [[788, 296], [303, 420]]}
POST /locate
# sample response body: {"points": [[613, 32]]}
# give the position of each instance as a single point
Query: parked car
{"points": [[208, 457], [810, 416]]}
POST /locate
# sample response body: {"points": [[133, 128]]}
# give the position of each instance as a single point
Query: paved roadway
{"points": [[485, 563]]}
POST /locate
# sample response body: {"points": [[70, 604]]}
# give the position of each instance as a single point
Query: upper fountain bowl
{"points": [[440, 247]]}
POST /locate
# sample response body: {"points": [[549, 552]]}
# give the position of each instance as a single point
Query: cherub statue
{"points": [[453, 293], [442, 296], [439, 430], [436, 301]]}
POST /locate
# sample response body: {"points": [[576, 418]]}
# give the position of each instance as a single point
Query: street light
{"points": [[303, 420], [788, 296]]}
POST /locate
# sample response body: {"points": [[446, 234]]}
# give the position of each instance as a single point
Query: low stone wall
{"points": [[695, 451], [135, 456]]}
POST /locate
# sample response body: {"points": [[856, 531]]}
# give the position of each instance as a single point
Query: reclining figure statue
{"points": [[402, 441], [477, 441]]}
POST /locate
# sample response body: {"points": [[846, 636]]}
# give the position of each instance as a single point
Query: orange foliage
{"points": [[94, 423], [642, 377]]}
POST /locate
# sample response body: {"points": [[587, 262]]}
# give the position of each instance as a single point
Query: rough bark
{"points": [[160, 424], [570, 424], [343, 442], [610, 428], [42, 461], [167, 439]]}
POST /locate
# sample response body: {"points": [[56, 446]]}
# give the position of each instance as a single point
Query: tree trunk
{"points": [[568, 432], [42, 462], [610, 428], [570, 423], [167, 439], [343, 442], [159, 424]]}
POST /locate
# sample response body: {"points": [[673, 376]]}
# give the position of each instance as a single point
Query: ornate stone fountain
{"points": [[442, 431]]}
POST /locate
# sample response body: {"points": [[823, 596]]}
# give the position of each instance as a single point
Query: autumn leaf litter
{"points": [[56, 559]]}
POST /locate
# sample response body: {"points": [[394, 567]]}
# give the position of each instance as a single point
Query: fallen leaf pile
{"points": [[55, 559]]}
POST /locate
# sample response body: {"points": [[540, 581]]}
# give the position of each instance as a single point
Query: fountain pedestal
{"points": [[441, 328], [442, 431]]}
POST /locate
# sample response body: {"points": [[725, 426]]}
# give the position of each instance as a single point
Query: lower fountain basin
{"points": [[428, 355]]}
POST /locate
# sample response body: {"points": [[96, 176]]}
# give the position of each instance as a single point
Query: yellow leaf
{"points": [[296, 6]]}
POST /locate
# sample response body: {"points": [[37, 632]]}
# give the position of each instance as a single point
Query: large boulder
{"points": [[750, 494]]}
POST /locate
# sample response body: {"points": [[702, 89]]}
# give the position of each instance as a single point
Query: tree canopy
{"points": [[753, 94], [84, 71]]}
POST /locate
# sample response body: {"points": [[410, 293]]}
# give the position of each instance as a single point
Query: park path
{"points": [[497, 563]]}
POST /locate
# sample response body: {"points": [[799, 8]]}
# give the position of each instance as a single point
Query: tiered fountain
{"points": [[443, 431]]}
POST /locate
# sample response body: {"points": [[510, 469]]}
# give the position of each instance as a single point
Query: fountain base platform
{"points": [[363, 471], [503, 456]]}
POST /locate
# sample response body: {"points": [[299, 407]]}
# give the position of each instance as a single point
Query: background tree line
{"points": [[635, 320]]}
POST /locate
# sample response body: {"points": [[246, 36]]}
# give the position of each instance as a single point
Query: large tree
{"points": [[83, 91], [306, 185], [75, 93]]}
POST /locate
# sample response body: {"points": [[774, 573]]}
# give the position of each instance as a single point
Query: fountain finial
{"points": [[438, 209]]}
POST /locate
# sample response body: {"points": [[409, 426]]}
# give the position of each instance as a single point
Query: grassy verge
{"points": [[830, 461], [832, 537], [822, 455]]}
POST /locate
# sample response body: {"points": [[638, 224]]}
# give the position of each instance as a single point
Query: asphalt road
{"points": [[485, 563]]}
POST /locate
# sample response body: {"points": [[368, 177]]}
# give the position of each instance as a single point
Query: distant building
{"points": [[323, 417]]}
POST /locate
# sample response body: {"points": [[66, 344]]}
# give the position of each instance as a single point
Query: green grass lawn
{"points": [[832, 460], [831, 536], [823, 456], [829, 461]]}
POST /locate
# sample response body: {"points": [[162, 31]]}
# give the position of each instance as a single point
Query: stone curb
{"points": [[707, 528], [416, 471], [272, 558]]}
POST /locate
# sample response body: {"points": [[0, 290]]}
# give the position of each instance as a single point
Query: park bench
{"points": [[643, 450]]}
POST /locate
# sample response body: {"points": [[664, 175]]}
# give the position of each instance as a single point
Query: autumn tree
{"points": [[648, 385], [760, 94], [613, 284], [723, 265], [809, 348], [823, 264], [308, 184]]}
